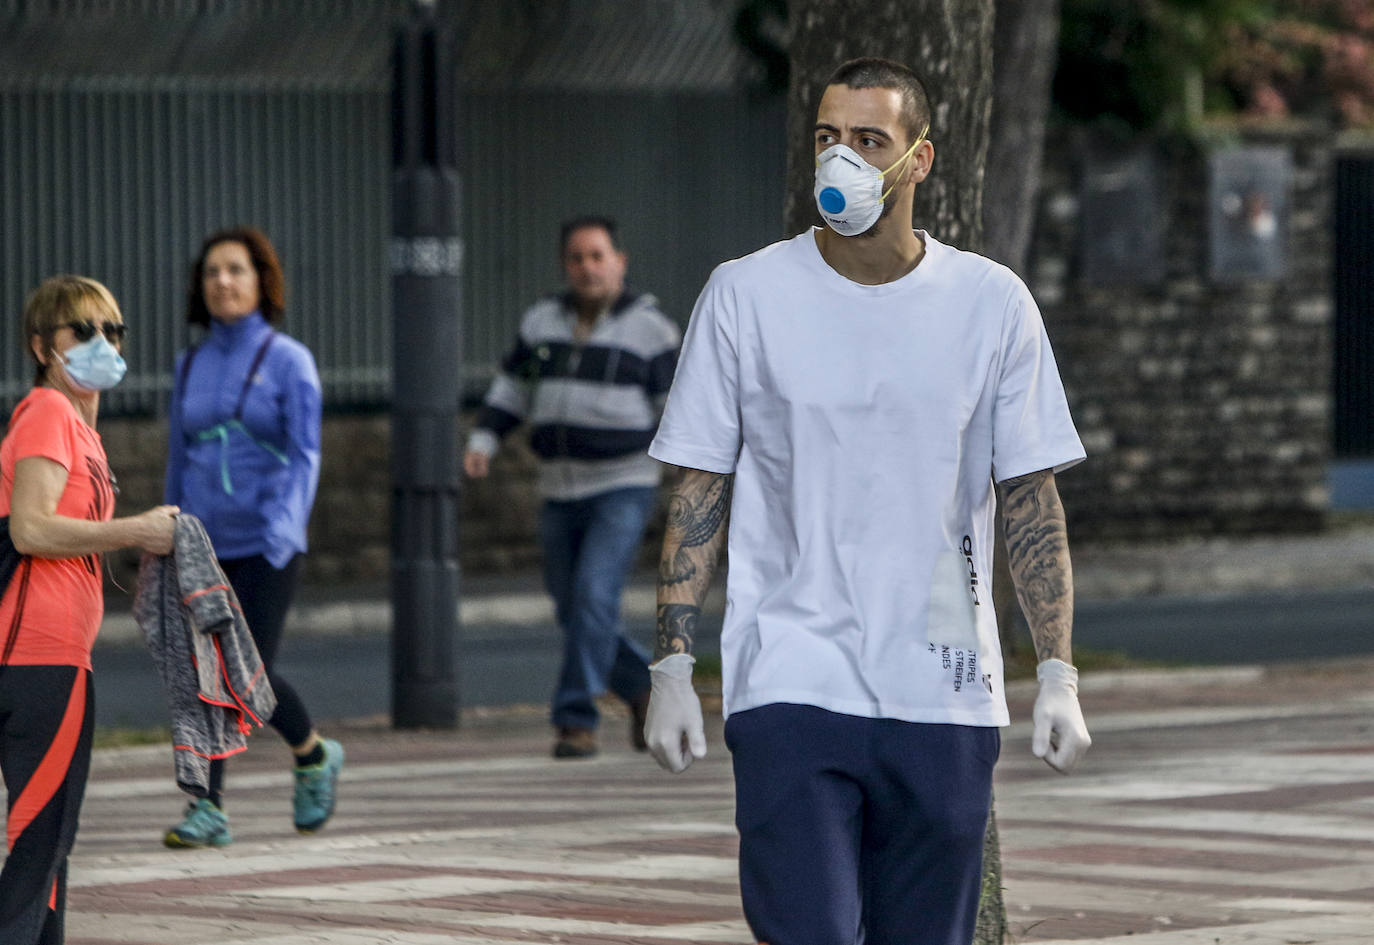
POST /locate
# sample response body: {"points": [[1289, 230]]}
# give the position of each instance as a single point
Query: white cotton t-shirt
{"points": [[864, 426]]}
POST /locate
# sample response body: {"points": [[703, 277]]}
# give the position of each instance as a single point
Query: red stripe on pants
{"points": [[52, 770]]}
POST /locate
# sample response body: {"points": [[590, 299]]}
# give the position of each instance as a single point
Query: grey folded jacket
{"points": [[216, 686]]}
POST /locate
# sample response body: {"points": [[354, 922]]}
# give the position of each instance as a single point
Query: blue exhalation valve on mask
{"points": [[831, 200]]}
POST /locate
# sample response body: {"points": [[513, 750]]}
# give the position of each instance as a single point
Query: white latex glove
{"points": [[673, 726], [1060, 737]]}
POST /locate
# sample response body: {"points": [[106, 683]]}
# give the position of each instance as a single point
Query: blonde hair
{"points": [[60, 300]]}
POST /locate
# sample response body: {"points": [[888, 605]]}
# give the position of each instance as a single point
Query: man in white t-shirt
{"points": [[844, 403]]}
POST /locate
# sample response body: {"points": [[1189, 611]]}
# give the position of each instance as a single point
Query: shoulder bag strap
{"points": [[252, 370]]}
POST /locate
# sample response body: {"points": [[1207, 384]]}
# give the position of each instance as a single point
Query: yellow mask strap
{"points": [[901, 160]]}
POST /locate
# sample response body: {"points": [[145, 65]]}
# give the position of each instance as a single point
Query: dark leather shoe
{"points": [[575, 743]]}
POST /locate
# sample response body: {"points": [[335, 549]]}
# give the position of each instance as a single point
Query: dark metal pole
{"points": [[426, 253]]}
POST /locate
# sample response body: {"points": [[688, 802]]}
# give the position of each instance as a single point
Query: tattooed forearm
{"points": [[698, 513], [1038, 553], [677, 628]]}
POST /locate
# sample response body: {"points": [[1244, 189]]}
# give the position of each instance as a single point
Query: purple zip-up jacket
{"points": [[252, 486]]}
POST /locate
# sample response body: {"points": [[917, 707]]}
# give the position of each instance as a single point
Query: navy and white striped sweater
{"points": [[592, 407]]}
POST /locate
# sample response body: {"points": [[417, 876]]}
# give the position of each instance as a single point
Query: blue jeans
{"points": [[589, 547]]}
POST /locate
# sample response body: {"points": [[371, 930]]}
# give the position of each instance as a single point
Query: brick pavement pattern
{"points": [[1232, 806], [1214, 808]]}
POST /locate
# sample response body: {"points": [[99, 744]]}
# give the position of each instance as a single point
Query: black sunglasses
{"points": [[85, 331]]}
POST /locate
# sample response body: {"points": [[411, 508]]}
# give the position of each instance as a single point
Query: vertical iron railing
{"points": [[121, 179]]}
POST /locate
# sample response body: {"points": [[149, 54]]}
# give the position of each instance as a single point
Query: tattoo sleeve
{"points": [[1038, 555], [698, 513]]}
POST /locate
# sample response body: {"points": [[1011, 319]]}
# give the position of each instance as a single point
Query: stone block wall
{"points": [[350, 536], [1204, 407]]}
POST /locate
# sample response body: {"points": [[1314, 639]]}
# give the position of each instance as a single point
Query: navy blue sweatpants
{"points": [[856, 830]]}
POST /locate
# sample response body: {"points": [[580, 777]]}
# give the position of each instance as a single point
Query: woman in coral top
{"points": [[58, 493]]}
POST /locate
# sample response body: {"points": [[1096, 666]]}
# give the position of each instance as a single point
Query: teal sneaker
{"points": [[204, 825], [313, 802]]}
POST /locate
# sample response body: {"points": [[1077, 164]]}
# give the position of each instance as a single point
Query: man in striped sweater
{"points": [[589, 372]]}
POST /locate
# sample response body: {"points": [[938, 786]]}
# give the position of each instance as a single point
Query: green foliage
{"points": [[116, 737], [1135, 63], [1313, 59], [1148, 64], [707, 667]]}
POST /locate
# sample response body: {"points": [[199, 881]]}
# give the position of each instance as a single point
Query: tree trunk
{"points": [[1025, 44], [949, 44]]}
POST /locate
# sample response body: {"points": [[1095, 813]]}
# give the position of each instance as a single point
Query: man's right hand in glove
{"points": [[673, 727]]}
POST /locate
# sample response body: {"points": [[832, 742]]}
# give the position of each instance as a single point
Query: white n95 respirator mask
{"points": [[849, 190]]}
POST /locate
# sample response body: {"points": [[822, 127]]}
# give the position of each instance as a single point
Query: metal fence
{"points": [[122, 179], [692, 179]]}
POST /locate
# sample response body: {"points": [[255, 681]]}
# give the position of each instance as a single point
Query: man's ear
{"points": [[922, 161], [36, 345]]}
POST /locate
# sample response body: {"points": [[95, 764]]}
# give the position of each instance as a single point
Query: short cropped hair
{"points": [[271, 279], [870, 72], [60, 300], [588, 222]]}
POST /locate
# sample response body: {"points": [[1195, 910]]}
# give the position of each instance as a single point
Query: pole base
{"points": [[421, 703]]}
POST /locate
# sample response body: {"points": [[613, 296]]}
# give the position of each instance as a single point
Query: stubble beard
{"points": [[872, 231]]}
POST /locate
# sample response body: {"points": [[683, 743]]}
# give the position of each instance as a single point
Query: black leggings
{"points": [[265, 593], [47, 717]]}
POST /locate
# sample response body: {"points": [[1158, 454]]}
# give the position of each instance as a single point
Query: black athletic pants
{"points": [[47, 716], [265, 594]]}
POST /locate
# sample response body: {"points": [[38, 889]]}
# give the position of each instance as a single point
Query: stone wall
{"points": [[350, 530], [1204, 406]]}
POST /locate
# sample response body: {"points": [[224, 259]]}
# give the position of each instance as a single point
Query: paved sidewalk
{"points": [[1216, 807]]}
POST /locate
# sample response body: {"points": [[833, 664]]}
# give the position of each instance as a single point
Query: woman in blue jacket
{"points": [[244, 458]]}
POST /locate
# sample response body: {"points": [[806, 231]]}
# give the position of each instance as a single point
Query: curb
{"points": [[1122, 680], [506, 609], [1339, 558]]}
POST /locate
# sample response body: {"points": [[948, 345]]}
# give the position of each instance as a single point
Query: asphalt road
{"points": [[348, 676]]}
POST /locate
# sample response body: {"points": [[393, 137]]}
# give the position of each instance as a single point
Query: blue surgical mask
{"points": [[94, 365]]}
